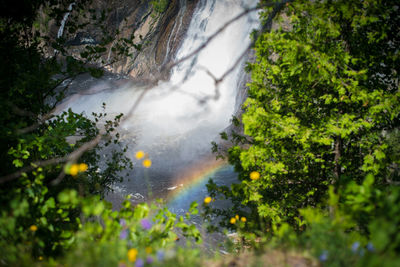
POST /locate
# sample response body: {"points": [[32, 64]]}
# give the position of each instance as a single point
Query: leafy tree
{"points": [[322, 109]]}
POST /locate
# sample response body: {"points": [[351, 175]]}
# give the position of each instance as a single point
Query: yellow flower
{"points": [[83, 167], [243, 219], [254, 175], [148, 250], [33, 228], [139, 154], [132, 253], [40, 258], [232, 221], [207, 200], [237, 217], [146, 163], [74, 169]]}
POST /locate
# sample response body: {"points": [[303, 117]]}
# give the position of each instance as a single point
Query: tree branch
{"points": [[278, 6]]}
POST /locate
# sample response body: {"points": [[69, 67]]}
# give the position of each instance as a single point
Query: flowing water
{"points": [[64, 20], [176, 126], [176, 28]]}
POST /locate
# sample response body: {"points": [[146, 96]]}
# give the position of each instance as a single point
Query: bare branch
{"points": [[36, 125], [74, 156], [278, 6], [266, 28], [71, 157], [33, 166], [19, 111]]}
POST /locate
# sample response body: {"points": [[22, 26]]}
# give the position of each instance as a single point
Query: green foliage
{"points": [[322, 113], [35, 193], [335, 238], [160, 6], [314, 116], [99, 229], [64, 220]]}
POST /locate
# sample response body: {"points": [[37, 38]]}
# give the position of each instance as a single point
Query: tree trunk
{"points": [[338, 154]]}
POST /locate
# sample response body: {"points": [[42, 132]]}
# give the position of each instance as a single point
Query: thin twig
{"points": [[70, 157], [91, 144], [210, 38], [266, 28]]}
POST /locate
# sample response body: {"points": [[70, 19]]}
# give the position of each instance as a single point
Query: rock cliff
{"points": [[157, 34]]}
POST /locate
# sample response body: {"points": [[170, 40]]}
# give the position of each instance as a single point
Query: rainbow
{"points": [[193, 178]]}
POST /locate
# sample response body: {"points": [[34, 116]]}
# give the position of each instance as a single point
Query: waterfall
{"points": [[176, 126], [64, 20], [176, 28]]}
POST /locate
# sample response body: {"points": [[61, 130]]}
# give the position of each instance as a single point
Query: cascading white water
{"points": [[176, 29], [64, 20], [165, 113], [176, 126]]}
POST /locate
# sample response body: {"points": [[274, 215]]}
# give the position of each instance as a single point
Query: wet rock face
{"points": [[158, 34]]}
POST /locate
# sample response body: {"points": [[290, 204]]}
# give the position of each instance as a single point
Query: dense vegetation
{"points": [[54, 170], [318, 163]]}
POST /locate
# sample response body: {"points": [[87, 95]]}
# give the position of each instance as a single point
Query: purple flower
{"points": [[323, 256], [355, 246], [146, 224], [370, 247], [123, 234], [160, 255], [122, 222], [149, 260], [139, 263]]}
